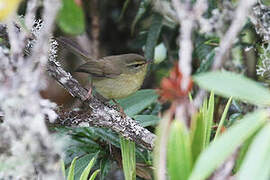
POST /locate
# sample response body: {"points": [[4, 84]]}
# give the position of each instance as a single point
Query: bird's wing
{"points": [[100, 68]]}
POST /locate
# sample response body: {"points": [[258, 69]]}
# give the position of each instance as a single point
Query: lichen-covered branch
{"points": [[101, 115]]}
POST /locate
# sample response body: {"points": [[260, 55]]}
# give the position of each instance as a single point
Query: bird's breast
{"points": [[120, 86]]}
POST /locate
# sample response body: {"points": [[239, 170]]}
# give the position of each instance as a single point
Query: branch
{"points": [[102, 115], [187, 15], [227, 41], [230, 36], [165, 8]]}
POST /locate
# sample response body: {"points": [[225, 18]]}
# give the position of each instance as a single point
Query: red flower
{"points": [[171, 87]]}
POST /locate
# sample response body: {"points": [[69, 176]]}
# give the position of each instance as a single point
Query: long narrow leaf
{"points": [[179, 152], [209, 118], [138, 101], [63, 168], [229, 84], [224, 114], [128, 158], [218, 151], [142, 9], [86, 171], [71, 169], [242, 154], [204, 114], [197, 134], [153, 35], [93, 176], [257, 158]]}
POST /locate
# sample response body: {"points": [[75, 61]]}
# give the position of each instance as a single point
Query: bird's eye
{"points": [[135, 66]]}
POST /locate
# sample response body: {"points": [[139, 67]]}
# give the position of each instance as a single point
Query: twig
{"points": [[230, 36], [29, 18], [187, 14], [102, 115], [164, 8], [227, 41]]}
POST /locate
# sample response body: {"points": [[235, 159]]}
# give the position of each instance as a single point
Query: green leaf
{"points": [[220, 149], [108, 135], [71, 169], [153, 35], [224, 114], [105, 167], [242, 153], [147, 120], [128, 158], [256, 165], [197, 134], [81, 164], [142, 9], [233, 85], [124, 9], [209, 118], [86, 171], [93, 176], [71, 18], [160, 53], [207, 62], [138, 101], [63, 168], [179, 152]]}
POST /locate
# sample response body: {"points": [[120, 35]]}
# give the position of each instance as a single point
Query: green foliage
{"points": [[141, 11], [71, 169], [220, 149], [86, 142], [93, 176], [71, 18], [257, 162], [128, 158], [86, 171], [124, 9], [224, 114], [205, 52], [83, 175], [197, 134], [201, 127], [79, 167], [152, 36], [229, 84], [147, 120], [209, 118], [179, 152], [137, 102]]}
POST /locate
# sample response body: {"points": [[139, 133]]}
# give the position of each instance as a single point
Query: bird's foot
{"points": [[120, 109]]}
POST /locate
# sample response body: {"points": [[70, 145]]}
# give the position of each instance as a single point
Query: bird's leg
{"points": [[121, 110], [89, 93]]}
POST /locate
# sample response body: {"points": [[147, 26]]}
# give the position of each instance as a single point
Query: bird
{"points": [[113, 77]]}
